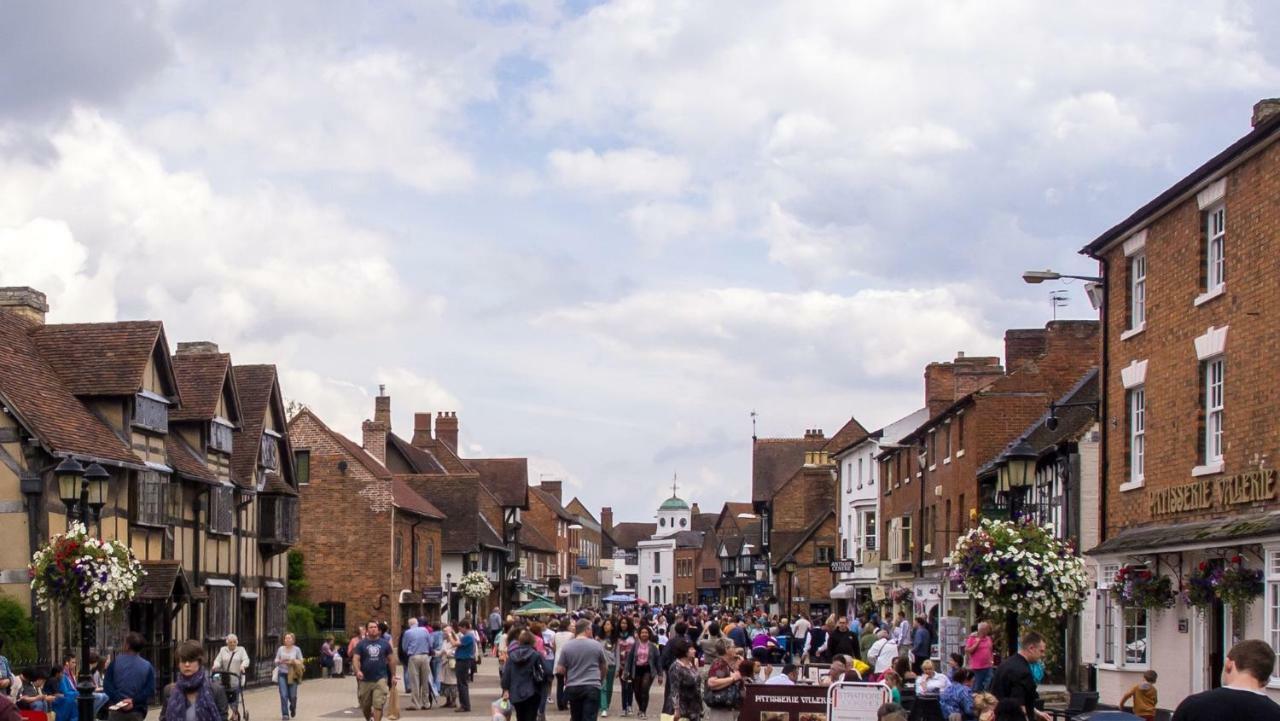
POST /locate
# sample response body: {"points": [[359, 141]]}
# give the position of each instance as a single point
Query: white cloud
{"points": [[43, 254], [344, 404], [630, 170]]}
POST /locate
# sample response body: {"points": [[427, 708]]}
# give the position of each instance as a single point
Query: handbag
{"points": [[728, 697]]}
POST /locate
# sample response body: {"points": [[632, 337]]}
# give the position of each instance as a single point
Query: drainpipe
{"points": [[1102, 403]]}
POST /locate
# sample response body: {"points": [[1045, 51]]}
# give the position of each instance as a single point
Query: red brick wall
{"points": [[813, 580], [1173, 396]]}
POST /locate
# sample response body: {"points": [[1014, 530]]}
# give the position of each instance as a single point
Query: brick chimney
{"points": [[944, 383], [1264, 109], [694, 509], [27, 303], [813, 433], [606, 518], [447, 429], [374, 432], [555, 488], [421, 430], [1022, 345], [197, 347], [1072, 347]]}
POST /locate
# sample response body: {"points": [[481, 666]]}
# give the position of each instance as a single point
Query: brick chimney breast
{"points": [[606, 518], [374, 439], [24, 302], [1263, 110], [421, 430], [555, 488], [1022, 345], [447, 429], [382, 407], [197, 347]]}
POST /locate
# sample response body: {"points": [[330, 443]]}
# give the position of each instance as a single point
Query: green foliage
{"points": [[298, 583], [302, 620], [17, 630]]}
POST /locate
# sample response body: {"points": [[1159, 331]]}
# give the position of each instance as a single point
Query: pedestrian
{"points": [[979, 649], [464, 657], [437, 642], [448, 667], [130, 681], [98, 667], [584, 665], [707, 642], [609, 640], [817, 644], [641, 668], [193, 696], [416, 645], [626, 642], [62, 686], [1013, 680], [327, 654], [902, 631], [786, 676], [562, 637], [684, 694], [799, 634], [31, 695], [522, 676], [883, 654], [288, 673], [1144, 695], [957, 696], [894, 684], [375, 667], [920, 644], [232, 660], [1245, 675], [494, 626], [723, 693], [867, 638], [843, 641]]}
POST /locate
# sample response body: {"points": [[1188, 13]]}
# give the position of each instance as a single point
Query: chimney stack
{"points": [[197, 347], [606, 518], [945, 383], [382, 407], [374, 432], [555, 488], [421, 430], [1023, 345], [1263, 110], [27, 303], [695, 510], [814, 433], [447, 429]]}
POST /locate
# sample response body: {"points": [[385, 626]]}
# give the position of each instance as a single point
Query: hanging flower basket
{"points": [[86, 574], [902, 595], [1230, 582], [1020, 567], [1139, 587], [475, 585]]}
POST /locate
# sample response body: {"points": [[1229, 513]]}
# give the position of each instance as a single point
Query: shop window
{"points": [[1124, 633]]}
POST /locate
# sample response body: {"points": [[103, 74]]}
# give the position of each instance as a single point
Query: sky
{"points": [[601, 232]]}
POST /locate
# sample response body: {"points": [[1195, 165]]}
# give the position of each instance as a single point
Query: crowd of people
{"points": [[685, 663]]}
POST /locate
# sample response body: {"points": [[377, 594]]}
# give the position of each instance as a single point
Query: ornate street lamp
{"points": [[1019, 468], [789, 564]]}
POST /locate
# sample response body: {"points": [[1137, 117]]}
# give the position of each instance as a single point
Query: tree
{"points": [[18, 631]]}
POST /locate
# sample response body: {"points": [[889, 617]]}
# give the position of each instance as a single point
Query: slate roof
{"points": [[419, 459], [628, 535], [101, 359], [704, 522], [36, 394], [407, 499], [775, 460], [1219, 532], [1259, 135], [201, 378], [255, 384], [506, 478], [186, 460], [688, 539]]}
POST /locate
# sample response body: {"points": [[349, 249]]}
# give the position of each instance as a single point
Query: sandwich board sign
{"points": [[848, 701]]}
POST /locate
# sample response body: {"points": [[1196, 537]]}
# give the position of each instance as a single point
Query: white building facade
{"points": [[656, 562]]}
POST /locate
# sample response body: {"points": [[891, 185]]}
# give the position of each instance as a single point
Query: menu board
{"points": [[802, 702], [951, 636], [856, 701]]}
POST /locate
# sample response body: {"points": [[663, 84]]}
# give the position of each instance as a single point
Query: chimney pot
{"points": [[382, 408], [197, 347], [24, 302], [447, 429], [1264, 109]]}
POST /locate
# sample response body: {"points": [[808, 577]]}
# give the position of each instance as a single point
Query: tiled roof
{"points": [[628, 535], [553, 504], [353, 449], [688, 539], [36, 394], [1072, 421], [186, 461], [851, 433], [255, 384], [419, 459], [407, 499], [531, 537], [457, 496], [201, 377], [506, 478], [792, 541], [276, 486], [164, 579], [775, 460], [100, 359], [704, 521]]}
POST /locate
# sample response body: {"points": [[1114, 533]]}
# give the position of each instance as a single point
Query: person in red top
{"points": [[978, 648]]}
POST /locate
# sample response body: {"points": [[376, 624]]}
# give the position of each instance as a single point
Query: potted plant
{"points": [[1228, 580], [1141, 588]]}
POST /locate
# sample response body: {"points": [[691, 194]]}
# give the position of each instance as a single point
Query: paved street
{"points": [[336, 698]]}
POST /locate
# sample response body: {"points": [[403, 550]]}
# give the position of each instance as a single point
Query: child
{"points": [[31, 696], [1144, 697], [894, 683], [984, 706]]}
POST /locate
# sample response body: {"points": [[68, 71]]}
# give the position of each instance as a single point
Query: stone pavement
{"points": [[336, 699]]}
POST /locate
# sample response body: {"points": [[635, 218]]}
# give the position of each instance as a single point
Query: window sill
{"points": [[959, 453], [1132, 332], [1124, 668], [932, 467], [1130, 485], [1207, 469], [1209, 295]]}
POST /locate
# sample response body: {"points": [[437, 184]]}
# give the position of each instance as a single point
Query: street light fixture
{"points": [[789, 564], [1035, 277], [1018, 467]]}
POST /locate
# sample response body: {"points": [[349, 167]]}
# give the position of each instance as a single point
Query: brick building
{"points": [[930, 479], [548, 515], [1190, 401], [371, 546], [586, 544]]}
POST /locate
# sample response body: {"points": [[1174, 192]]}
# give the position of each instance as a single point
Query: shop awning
{"points": [[1204, 534], [843, 590], [539, 607]]}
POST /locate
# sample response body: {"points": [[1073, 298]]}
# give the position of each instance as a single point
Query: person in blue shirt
{"points": [[958, 697], [415, 642], [464, 658], [62, 686], [437, 643], [131, 679]]}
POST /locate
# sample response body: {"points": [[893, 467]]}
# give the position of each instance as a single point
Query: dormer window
{"points": [[151, 411], [220, 434]]}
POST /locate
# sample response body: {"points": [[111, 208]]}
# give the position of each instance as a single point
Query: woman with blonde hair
{"points": [[288, 673]]}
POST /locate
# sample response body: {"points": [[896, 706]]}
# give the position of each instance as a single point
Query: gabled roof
{"points": [[105, 359], [256, 384], [44, 404], [852, 432], [553, 504], [688, 539], [775, 460], [419, 459], [506, 478], [186, 461], [704, 522], [1260, 135], [793, 541], [353, 449], [407, 499], [275, 485], [458, 497], [202, 378], [628, 535]]}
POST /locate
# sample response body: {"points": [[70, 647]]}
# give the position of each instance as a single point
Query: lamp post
{"points": [[474, 558], [789, 563], [83, 492], [448, 596], [1017, 469]]}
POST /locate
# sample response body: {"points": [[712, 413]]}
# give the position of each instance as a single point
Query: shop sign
{"points": [[877, 593], [432, 595], [801, 702], [1240, 489], [844, 565]]}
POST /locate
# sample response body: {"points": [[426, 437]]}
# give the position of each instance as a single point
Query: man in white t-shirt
{"points": [[882, 654]]}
